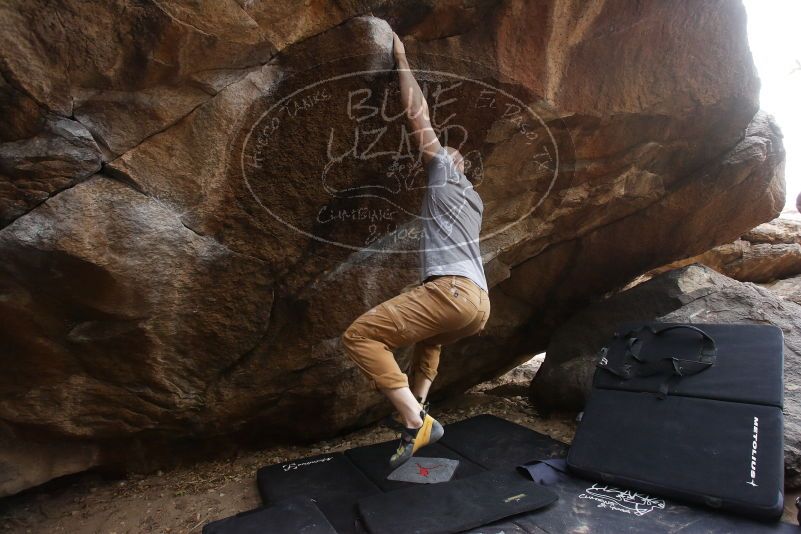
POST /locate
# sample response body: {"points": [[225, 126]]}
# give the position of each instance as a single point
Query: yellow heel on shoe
{"points": [[429, 433]]}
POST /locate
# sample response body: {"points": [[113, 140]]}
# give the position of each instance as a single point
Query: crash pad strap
{"points": [[638, 353], [453, 506], [748, 366]]}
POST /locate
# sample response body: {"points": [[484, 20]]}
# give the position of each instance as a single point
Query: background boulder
{"points": [[769, 252], [196, 199], [788, 288]]}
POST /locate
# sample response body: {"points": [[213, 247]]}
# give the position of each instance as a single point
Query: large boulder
{"points": [[769, 252], [197, 198], [691, 294], [112, 344], [545, 289], [787, 288]]}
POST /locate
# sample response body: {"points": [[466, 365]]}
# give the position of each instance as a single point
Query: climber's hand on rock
{"points": [[398, 49]]}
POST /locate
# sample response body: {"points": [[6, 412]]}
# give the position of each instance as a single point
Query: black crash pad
{"points": [[330, 479], [492, 442], [685, 448], [585, 506], [453, 506], [296, 514], [316, 477], [496, 443], [337, 480]]}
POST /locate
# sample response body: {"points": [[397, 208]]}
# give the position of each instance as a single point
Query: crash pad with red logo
{"points": [[425, 470]]}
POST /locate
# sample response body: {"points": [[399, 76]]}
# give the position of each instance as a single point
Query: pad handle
{"points": [[628, 361], [681, 366]]}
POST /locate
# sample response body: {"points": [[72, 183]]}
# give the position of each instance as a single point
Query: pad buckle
{"points": [[602, 360]]}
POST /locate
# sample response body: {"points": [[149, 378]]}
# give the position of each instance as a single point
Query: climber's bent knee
{"points": [[374, 360]]}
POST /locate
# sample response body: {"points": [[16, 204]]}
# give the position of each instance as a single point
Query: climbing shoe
{"points": [[413, 439]]}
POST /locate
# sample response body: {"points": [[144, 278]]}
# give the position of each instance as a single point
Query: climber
{"points": [[451, 302]]}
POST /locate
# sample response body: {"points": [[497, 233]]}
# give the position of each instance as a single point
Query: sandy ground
{"points": [[183, 500]]}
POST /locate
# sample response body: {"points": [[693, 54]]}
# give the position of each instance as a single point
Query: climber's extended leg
{"points": [[442, 307]]}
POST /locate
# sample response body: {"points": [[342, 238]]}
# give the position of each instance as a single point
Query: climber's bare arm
{"points": [[415, 105]]}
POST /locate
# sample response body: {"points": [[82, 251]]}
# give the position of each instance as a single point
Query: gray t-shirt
{"points": [[451, 216]]}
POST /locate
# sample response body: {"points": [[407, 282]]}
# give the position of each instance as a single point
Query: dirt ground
{"points": [[182, 500]]}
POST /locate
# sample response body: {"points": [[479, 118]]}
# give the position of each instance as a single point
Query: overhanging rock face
{"points": [[765, 254], [196, 200]]}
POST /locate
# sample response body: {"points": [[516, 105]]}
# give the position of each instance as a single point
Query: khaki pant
{"points": [[433, 314]]}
